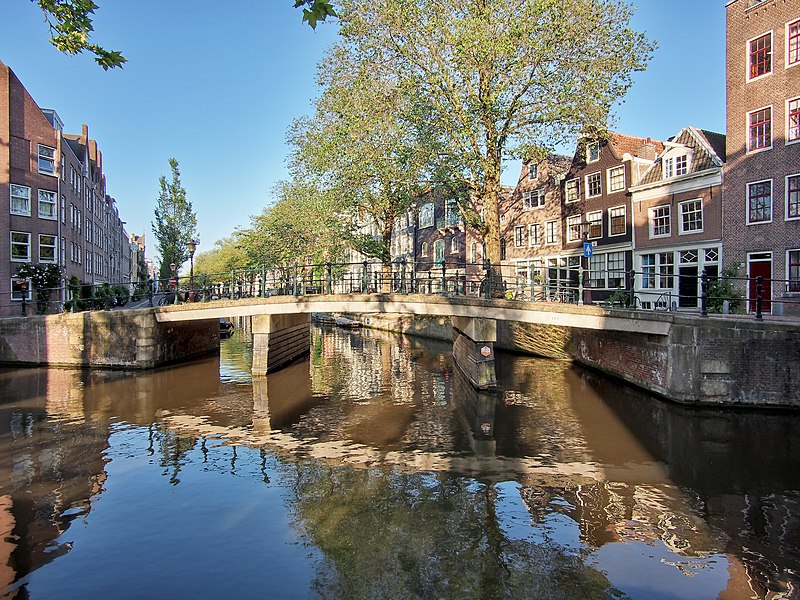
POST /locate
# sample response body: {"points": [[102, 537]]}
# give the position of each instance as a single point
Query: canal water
{"points": [[371, 469]]}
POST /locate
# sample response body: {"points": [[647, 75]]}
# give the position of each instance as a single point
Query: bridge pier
{"points": [[278, 340], [473, 350]]}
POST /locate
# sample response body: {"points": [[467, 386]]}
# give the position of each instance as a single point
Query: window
{"points": [[666, 269], [20, 246], [616, 220], [533, 199], [760, 52], [452, 214], [63, 168], [648, 271], [793, 267], [760, 129], [47, 205], [47, 248], [47, 160], [616, 179], [616, 269], [519, 236], [453, 245], [592, 152], [759, 202], [426, 215], [502, 248], [793, 120], [20, 200], [668, 168], [573, 228], [793, 43], [533, 171], [593, 185], [473, 253], [681, 165], [571, 190], [535, 234], [424, 250], [691, 213], [63, 209], [597, 271], [595, 220], [660, 221], [551, 232], [20, 288], [793, 196]]}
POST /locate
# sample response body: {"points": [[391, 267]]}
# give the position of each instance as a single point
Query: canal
{"points": [[372, 469]]}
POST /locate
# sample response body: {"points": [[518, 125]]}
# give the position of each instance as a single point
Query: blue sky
{"points": [[216, 85]]}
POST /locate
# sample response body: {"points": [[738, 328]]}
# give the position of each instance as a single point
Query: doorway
{"points": [[759, 264]]}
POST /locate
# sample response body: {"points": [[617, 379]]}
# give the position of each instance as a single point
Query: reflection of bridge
{"points": [[686, 358]]}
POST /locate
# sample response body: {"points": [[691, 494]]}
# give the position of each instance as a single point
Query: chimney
{"points": [[647, 150], [84, 134]]}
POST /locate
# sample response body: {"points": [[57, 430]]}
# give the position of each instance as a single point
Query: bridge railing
{"points": [[643, 290]]}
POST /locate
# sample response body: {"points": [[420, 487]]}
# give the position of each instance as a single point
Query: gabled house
{"points": [[677, 221], [439, 247], [596, 209]]}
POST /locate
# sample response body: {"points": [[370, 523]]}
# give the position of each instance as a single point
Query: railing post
{"points": [[631, 286], [330, 278], [430, 281], [233, 282], [704, 293], [149, 293], [364, 278], [444, 277], [580, 283], [203, 297], [759, 299], [295, 289], [403, 276]]}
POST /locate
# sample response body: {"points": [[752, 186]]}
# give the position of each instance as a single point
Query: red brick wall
{"points": [[783, 159]]}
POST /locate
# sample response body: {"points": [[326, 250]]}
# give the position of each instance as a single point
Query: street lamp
{"points": [[174, 269], [192, 245]]}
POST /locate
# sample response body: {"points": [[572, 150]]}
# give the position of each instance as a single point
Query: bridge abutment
{"points": [[473, 350], [278, 340]]}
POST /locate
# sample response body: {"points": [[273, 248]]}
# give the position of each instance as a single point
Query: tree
{"points": [[70, 23], [367, 146], [501, 78], [226, 255], [175, 222], [45, 280]]}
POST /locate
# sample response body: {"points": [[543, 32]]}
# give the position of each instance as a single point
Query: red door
{"points": [[764, 269]]}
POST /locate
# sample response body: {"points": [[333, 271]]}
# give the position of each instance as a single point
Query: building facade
{"points": [[55, 209], [761, 224], [676, 209]]}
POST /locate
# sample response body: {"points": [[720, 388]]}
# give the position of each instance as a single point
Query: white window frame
{"points": [[789, 125], [11, 244], [535, 239], [527, 200], [599, 175], [771, 202], [786, 199], [574, 228], [680, 172], [427, 209], [19, 298], [610, 177], [625, 219], [668, 168], [454, 245], [438, 252], [771, 34], [423, 251], [771, 130], [681, 205], [520, 236], [567, 183], [788, 272], [592, 218], [651, 221], [11, 196], [54, 245], [47, 198], [553, 225], [589, 146], [47, 159], [787, 64]]}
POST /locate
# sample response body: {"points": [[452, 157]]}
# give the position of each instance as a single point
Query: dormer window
{"points": [[592, 152], [533, 171], [675, 166]]}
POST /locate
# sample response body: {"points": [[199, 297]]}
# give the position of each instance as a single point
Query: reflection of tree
{"points": [[388, 534]]}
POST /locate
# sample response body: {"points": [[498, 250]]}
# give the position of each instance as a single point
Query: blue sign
{"points": [[587, 249]]}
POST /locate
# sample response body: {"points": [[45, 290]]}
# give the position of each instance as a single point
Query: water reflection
{"points": [[403, 481]]}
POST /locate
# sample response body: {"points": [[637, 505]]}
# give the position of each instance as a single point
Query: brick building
{"points": [[440, 245], [677, 220], [761, 223], [54, 208]]}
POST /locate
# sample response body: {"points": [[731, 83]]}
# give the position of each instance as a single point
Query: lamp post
{"points": [[174, 269], [192, 246]]}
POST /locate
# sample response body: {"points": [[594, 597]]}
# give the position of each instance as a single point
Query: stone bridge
{"points": [[688, 359]]}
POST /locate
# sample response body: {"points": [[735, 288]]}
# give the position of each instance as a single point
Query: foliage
{"points": [[175, 222], [302, 224], [45, 279], [70, 23], [620, 298], [500, 78], [226, 256], [723, 288]]}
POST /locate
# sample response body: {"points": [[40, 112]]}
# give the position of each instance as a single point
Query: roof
{"points": [[621, 144], [706, 147]]}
